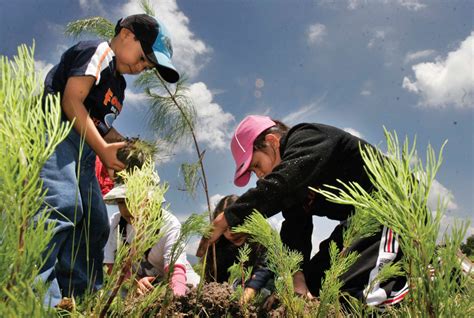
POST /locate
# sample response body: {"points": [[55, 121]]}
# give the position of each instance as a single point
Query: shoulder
{"points": [[114, 220], [315, 128], [170, 221], [306, 133]]}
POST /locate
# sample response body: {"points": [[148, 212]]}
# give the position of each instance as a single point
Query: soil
{"points": [[217, 301]]}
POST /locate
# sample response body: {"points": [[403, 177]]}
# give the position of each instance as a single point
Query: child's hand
{"points": [[220, 225], [248, 294], [300, 286], [108, 156], [144, 285], [268, 304]]}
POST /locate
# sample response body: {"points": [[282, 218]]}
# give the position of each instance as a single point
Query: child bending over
{"points": [[89, 79], [289, 161], [227, 252]]}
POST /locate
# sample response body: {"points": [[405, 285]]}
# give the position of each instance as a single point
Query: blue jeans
{"points": [[81, 227]]}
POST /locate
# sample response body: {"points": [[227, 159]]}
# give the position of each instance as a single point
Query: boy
{"points": [[90, 80]]}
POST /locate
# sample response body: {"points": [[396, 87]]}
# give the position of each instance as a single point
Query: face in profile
{"points": [[129, 55]]}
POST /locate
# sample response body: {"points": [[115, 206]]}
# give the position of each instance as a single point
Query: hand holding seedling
{"points": [[108, 156]]}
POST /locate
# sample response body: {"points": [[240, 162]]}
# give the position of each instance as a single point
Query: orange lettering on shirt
{"points": [[116, 103], [108, 96]]}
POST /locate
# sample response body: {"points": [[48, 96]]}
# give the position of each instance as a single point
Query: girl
{"points": [[227, 252], [156, 260], [287, 162]]}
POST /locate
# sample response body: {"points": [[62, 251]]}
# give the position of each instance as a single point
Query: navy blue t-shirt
{"points": [[92, 58]]}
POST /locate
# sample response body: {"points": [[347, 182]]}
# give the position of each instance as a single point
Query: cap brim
{"points": [[118, 192], [242, 175], [164, 66], [243, 180]]}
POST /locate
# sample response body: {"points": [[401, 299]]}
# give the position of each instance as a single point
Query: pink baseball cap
{"points": [[242, 145]]}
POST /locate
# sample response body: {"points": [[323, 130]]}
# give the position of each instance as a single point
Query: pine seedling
{"points": [[331, 286], [135, 154], [280, 260], [144, 199], [29, 132], [241, 273], [95, 25], [195, 225], [360, 225], [399, 201], [238, 271]]}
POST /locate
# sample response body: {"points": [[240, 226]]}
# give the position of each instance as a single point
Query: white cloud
{"points": [[42, 68], [190, 53], [215, 199], [353, 132], [316, 33], [378, 36], [212, 122], [135, 99], [448, 223], [413, 5], [92, 6], [440, 193], [367, 88], [447, 81], [412, 56], [303, 113]]}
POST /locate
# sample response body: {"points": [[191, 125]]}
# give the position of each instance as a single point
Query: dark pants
{"points": [[374, 252]]}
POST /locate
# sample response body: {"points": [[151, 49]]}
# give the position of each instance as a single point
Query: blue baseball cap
{"points": [[155, 41]]}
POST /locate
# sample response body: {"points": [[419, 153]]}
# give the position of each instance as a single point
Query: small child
{"points": [[289, 161], [89, 79], [227, 252], [156, 261]]}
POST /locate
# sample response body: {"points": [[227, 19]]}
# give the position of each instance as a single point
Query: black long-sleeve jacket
{"points": [[312, 155]]}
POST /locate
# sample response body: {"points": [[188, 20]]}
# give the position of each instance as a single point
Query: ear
{"points": [[125, 33], [273, 140]]}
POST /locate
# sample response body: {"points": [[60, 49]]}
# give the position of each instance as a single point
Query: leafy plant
{"points": [[135, 154], [280, 260], [29, 132], [238, 271], [144, 199], [399, 201]]}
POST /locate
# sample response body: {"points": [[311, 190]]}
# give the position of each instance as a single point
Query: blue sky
{"points": [[358, 64]]}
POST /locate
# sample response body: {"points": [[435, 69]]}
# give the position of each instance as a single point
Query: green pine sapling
{"points": [[144, 197], [280, 260], [399, 201], [29, 132]]}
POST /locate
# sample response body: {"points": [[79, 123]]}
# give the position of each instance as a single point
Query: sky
{"points": [[360, 65]]}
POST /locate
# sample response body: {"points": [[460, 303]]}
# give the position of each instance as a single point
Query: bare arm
{"points": [[76, 91], [113, 136]]}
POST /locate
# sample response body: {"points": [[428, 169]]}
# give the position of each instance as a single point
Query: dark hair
{"points": [[224, 203], [280, 128]]}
